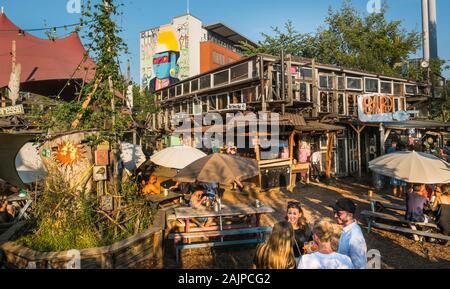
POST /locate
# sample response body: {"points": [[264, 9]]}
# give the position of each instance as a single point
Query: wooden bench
{"points": [[372, 216], [261, 231], [377, 201]]}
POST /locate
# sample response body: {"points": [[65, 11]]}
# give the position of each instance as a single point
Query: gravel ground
{"points": [[398, 251]]}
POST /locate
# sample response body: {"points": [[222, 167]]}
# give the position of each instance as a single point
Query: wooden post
{"points": [[291, 157], [14, 80], [315, 95], [329, 154], [358, 132], [382, 139]]}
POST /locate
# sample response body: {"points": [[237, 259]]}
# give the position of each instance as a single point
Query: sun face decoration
{"points": [[68, 153]]}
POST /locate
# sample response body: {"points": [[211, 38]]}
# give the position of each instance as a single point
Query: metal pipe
{"points": [[425, 31], [433, 29]]}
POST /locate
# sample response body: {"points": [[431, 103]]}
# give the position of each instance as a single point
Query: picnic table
{"points": [[378, 203], [386, 220], [186, 214], [164, 201]]}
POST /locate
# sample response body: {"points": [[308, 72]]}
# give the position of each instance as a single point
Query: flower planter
{"points": [[145, 246]]}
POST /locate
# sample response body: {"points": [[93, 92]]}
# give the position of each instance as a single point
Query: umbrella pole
{"points": [[220, 209]]}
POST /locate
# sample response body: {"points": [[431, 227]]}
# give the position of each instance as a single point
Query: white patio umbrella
{"points": [[177, 157], [412, 167]]}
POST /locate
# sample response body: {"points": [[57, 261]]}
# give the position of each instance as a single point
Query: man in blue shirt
{"points": [[352, 242]]}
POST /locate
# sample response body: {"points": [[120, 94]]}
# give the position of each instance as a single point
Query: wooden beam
{"points": [[329, 154], [315, 94], [85, 104]]}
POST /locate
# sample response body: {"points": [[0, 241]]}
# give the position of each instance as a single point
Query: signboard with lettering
{"points": [[237, 106], [381, 108], [11, 110]]}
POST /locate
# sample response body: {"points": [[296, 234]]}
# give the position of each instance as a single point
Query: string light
{"points": [[54, 29]]}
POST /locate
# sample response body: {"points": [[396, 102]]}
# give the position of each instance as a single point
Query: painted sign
{"points": [[11, 110], [237, 106], [68, 153], [380, 108]]}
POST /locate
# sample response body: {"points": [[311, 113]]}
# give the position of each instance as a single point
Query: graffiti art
{"points": [[165, 60]]}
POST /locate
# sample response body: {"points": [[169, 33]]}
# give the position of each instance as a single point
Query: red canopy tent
{"points": [[47, 65]]}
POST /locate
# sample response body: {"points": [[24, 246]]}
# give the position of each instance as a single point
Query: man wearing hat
{"points": [[352, 242]]}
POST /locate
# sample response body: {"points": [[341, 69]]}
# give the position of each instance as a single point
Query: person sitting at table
{"points": [[153, 187], [7, 189], [277, 252], [441, 207], [326, 258], [415, 204], [302, 230], [199, 199]]}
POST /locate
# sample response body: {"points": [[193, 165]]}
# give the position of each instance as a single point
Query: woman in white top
{"points": [[325, 258]]}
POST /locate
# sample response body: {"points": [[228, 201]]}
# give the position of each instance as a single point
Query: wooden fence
{"points": [[146, 246]]}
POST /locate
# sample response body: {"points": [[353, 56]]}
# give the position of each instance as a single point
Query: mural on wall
{"points": [[164, 56]]}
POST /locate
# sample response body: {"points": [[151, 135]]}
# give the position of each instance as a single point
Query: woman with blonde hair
{"points": [[277, 252], [324, 234]]}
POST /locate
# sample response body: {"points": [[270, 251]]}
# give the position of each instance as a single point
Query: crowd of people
{"points": [[295, 244]]}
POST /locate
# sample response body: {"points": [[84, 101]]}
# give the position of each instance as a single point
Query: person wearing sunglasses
{"points": [[302, 230], [352, 242]]}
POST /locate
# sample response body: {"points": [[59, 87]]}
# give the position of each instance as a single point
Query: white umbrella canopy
{"points": [[177, 157], [412, 167]]}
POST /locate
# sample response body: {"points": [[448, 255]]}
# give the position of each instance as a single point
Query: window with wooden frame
{"points": [[205, 107], [386, 87], [354, 83], [410, 89], [222, 77], [399, 89], [371, 85], [341, 82], [197, 107], [326, 81], [324, 101], [186, 87], [177, 107], [305, 92], [212, 103], [178, 90], [236, 97], [249, 94], [165, 94], [239, 72], [341, 104], [171, 92], [352, 104], [306, 73], [205, 81], [194, 85], [222, 101]]}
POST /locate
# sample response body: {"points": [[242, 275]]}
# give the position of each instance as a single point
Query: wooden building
{"points": [[331, 99]]}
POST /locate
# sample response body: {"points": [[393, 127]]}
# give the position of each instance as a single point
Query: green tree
{"points": [[289, 40], [348, 39]]}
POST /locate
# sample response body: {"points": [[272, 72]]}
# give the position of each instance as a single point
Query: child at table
{"points": [[197, 200], [153, 187]]}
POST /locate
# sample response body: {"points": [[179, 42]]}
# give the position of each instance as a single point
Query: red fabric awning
{"points": [[42, 60]]}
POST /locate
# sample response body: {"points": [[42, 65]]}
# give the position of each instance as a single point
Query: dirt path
{"points": [[397, 251]]}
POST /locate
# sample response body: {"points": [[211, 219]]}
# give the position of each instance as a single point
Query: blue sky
{"points": [[249, 17]]}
